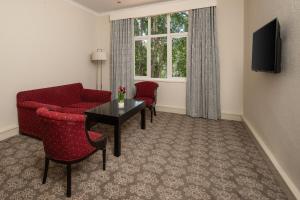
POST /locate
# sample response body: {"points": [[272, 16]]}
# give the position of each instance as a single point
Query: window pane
{"points": [[159, 24], [179, 57], [141, 26], [141, 58], [159, 57], [179, 22]]}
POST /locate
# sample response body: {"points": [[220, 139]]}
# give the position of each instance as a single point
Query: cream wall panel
{"points": [[43, 43]]}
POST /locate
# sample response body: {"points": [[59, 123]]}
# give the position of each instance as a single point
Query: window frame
{"points": [[169, 37]]}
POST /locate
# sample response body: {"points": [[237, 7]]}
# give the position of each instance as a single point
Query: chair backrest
{"points": [[146, 89], [64, 137]]}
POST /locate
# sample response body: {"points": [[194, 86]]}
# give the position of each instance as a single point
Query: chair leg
{"points": [[46, 170], [104, 158], [69, 180], [151, 109], [154, 111]]}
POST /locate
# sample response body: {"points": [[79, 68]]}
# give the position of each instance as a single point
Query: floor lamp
{"points": [[99, 56]]}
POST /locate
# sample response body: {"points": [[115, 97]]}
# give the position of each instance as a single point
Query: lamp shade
{"points": [[99, 55]]}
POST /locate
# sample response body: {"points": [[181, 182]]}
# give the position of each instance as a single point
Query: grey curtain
{"points": [[203, 76], [122, 73]]}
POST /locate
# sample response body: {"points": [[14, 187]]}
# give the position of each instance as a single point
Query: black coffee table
{"points": [[110, 113]]}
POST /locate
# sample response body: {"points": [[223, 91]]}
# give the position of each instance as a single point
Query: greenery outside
{"points": [[141, 58], [179, 22], [159, 57], [179, 57], [175, 38], [141, 26], [159, 24]]}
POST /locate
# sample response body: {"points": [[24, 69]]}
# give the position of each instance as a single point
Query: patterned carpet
{"points": [[176, 157]]}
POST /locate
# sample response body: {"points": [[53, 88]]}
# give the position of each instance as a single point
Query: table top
{"points": [[112, 108]]}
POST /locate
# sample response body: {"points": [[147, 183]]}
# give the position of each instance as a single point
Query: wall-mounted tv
{"points": [[266, 49]]}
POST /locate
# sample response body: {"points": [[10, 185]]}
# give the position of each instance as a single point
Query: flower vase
{"points": [[121, 104], [121, 98]]}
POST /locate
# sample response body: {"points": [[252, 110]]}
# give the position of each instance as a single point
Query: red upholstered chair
{"points": [[66, 141], [147, 91]]}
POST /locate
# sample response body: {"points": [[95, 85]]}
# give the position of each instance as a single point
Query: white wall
{"points": [[230, 24], [103, 42], [230, 21], [43, 43], [271, 101]]}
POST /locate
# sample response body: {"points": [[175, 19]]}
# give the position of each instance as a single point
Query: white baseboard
{"points": [[182, 110], [171, 109], [273, 159], [230, 116], [8, 132]]}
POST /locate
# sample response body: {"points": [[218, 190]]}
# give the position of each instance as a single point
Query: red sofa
{"points": [[72, 98]]}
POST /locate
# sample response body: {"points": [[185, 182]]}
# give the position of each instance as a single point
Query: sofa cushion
{"points": [[102, 96], [86, 105], [36, 105], [60, 95]]}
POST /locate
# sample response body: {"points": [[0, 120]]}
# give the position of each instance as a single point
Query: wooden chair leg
{"points": [[104, 158], [154, 111], [69, 180], [46, 170], [151, 109]]}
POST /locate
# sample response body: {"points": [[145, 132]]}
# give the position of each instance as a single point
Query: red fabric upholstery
{"points": [[57, 99], [94, 96], [35, 105], [60, 95], [86, 105], [146, 91], [64, 137], [71, 110]]}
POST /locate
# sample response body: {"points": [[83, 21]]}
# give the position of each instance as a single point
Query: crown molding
{"points": [[149, 9], [159, 8]]}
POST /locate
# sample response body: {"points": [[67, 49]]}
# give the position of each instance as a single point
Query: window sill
{"points": [[168, 80]]}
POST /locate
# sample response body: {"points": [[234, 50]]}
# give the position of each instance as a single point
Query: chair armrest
{"points": [[95, 95], [58, 116], [35, 105]]}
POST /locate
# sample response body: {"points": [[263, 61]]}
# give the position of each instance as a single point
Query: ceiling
{"points": [[102, 6]]}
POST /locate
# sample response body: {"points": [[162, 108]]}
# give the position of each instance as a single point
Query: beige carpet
{"points": [[176, 157]]}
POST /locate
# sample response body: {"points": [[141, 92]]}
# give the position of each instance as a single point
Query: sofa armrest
{"points": [[100, 96], [35, 105]]}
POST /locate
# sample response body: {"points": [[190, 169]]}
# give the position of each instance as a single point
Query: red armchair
{"points": [[66, 141], [71, 98], [146, 91]]}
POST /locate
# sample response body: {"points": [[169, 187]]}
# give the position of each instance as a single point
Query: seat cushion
{"points": [[86, 105], [148, 101], [95, 136]]}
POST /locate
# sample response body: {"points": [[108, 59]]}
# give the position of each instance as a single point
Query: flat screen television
{"points": [[266, 50]]}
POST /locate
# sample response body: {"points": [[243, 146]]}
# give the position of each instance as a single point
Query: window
{"points": [[160, 46]]}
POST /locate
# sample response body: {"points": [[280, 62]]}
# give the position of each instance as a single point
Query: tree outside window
{"points": [[160, 46]]}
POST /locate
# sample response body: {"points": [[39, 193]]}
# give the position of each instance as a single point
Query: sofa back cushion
{"points": [[60, 95]]}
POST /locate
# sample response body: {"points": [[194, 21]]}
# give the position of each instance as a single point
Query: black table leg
{"points": [[143, 119], [117, 138]]}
